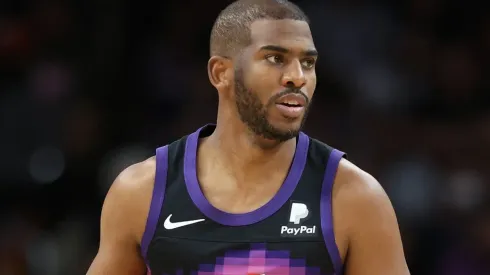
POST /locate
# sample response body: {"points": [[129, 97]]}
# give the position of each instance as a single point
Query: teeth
{"points": [[292, 102]]}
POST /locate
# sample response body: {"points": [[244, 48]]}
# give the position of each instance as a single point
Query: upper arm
{"points": [[123, 220], [374, 245]]}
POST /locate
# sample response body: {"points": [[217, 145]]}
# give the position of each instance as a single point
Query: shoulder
{"points": [[136, 180], [358, 191], [366, 225], [128, 201], [349, 177], [353, 182], [352, 185], [136, 175], [360, 201]]}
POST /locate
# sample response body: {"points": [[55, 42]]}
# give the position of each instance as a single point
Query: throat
{"points": [[247, 153], [238, 178]]}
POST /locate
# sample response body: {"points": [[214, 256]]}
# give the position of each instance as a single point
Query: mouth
{"points": [[291, 105], [292, 100]]}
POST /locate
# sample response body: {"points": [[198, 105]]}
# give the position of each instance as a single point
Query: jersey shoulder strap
{"points": [[326, 209]]}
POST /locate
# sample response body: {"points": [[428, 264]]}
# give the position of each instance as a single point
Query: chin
{"points": [[283, 132], [288, 126], [276, 129]]}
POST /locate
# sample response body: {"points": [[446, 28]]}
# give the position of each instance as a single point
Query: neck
{"points": [[244, 152]]}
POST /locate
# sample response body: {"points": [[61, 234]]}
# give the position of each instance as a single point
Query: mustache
{"points": [[288, 91]]}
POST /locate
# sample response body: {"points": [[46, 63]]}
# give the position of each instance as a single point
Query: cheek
{"points": [[259, 74], [262, 82]]}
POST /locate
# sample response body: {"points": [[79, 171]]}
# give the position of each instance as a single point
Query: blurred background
{"points": [[89, 87]]}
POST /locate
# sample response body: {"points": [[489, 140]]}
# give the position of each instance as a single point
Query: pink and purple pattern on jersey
{"points": [[257, 260]]}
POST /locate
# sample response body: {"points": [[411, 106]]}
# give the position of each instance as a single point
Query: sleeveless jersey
{"points": [[292, 234]]}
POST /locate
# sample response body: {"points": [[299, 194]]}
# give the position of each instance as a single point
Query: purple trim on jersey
{"points": [[156, 199], [326, 209], [257, 215]]}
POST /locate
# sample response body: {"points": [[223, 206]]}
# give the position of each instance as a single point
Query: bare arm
{"points": [[374, 245], [122, 222]]}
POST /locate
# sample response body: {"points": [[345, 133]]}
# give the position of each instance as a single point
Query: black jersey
{"points": [[290, 235]]}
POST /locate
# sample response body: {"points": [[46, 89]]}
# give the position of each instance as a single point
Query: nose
{"points": [[293, 76]]}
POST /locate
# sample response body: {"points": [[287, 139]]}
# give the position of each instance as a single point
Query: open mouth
{"points": [[291, 105], [292, 100], [288, 104]]}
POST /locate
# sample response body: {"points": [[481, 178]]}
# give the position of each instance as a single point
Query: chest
{"points": [[247, 194], [280, 229], [290, 241], [239, 200]]}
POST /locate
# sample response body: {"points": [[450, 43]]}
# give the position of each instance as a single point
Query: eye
{"points": [[308, 63], [275, 59]]}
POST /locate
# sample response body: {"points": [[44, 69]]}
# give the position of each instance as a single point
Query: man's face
{"points": [[275, 78]]}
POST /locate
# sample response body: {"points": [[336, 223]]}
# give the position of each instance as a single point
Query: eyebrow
{"points": [[311, 52]]}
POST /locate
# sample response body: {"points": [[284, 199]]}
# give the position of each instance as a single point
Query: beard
{"points": [[254, 114]]}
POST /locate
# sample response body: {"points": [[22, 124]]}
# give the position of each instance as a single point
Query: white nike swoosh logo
{"points": [[172, 225]]}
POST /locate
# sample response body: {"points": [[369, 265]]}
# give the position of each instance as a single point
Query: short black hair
{"points": [[231, 30]]}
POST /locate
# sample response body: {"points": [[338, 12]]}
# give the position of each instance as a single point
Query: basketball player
{"points": [[251, 194]]}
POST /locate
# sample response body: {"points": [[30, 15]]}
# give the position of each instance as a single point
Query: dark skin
{"points": [[268, 67], [240, 170]]}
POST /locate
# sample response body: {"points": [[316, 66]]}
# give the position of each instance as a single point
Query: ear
{"points": [[218, 71]]}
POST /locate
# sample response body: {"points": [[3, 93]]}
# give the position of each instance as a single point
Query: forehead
{"points": [[286, 33]]}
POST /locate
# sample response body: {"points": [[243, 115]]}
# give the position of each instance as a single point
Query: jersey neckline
{"points": [[231, 219]]}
